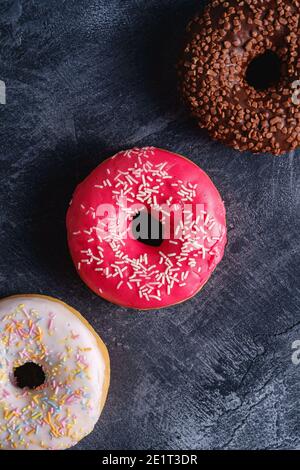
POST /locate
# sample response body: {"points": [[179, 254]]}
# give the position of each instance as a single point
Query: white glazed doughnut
{"points": [[54, 374]]}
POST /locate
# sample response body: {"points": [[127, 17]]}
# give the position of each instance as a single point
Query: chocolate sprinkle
{"points": [[221, 45]]}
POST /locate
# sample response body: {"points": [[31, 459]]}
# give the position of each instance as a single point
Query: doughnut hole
{"points": [[264, 71], [147, 230], [29, 375]]}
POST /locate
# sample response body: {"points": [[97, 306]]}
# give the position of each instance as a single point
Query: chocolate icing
{"points": [[221, 44]]}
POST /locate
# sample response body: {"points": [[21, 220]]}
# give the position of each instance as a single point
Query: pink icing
{"points": [[128, 272]]}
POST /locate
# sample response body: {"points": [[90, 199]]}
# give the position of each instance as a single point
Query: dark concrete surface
{"points": [[86, 78]]}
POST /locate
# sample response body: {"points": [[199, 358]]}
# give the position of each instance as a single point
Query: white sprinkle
{"points": [[155, 297], [206, 219]]}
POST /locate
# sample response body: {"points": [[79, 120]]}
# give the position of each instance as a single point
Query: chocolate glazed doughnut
{"points": [[239, 70]]}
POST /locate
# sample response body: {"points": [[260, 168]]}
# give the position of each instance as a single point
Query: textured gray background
{"points": [[86, 78]]}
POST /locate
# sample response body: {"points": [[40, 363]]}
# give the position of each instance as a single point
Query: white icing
{"points": [[66, 408]]}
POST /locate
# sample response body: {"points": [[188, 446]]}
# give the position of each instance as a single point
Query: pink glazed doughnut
{"points": [[113, 248]]}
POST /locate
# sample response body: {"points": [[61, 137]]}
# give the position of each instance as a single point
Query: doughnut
{"points": [[239, 71], [146, 229], [54, 374]]}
